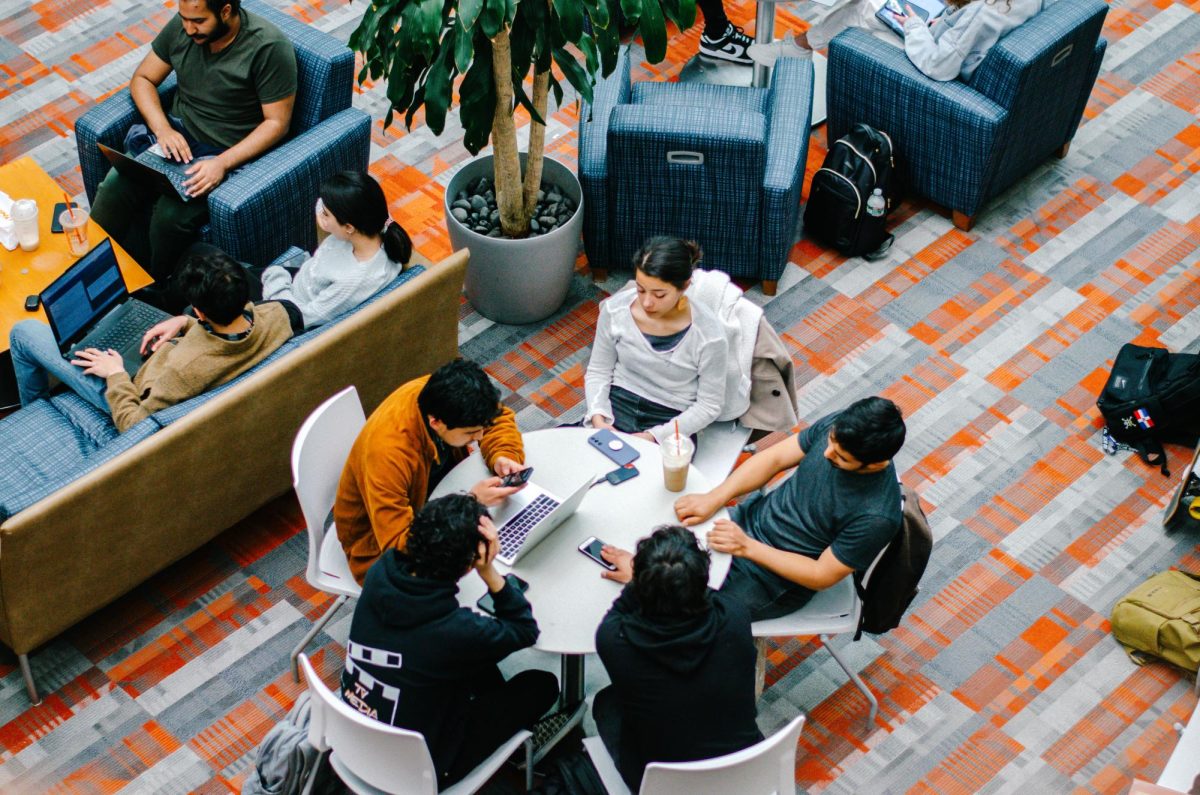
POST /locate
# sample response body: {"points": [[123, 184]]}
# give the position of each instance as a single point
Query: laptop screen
{"points": [[85, 293]]}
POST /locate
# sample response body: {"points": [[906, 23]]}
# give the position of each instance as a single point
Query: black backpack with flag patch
{"points": [[896, 578], [836, 215], [1151, 396]]}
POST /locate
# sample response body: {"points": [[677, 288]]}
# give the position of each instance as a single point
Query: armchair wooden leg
{"points": [[599, 274], [770, 286], [963, 221], [1063, 151], [27, 675]]}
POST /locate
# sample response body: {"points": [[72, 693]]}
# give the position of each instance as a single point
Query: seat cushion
{"points": [[701, 95]]}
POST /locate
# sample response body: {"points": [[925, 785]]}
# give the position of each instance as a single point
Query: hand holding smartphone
{"points": [[517, 478], [488, 605], [592, 548]]}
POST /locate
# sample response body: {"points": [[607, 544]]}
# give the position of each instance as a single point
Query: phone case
{"points": [[626, 455]]}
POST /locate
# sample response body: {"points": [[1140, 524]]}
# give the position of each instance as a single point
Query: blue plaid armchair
{"points": [[961, 144], [266, 205], [720, 165]]}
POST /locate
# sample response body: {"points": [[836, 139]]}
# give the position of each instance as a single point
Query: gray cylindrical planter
{"points": [[518, 281]]}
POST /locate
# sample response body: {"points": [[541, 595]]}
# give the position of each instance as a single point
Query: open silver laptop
{"points": [[530, 515]]}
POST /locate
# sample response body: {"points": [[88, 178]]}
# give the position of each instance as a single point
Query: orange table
{"points": [[24, 273]]}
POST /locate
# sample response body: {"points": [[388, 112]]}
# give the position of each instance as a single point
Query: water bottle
{"points": [[876, 204]]}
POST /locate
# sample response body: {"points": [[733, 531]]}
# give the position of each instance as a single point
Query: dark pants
{"points": [[607, 713], [763, 594], [633, 413], [500, 712], [715, 21]]}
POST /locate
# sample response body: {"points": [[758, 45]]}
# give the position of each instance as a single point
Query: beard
{"points": [[220, 30]]}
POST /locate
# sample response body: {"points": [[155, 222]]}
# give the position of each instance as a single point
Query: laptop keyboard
{"points": [[513, 533], [139, 317]]}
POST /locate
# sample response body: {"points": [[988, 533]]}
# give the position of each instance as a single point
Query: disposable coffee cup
{"points": [[74, 226], [676, 457], [25, 223]]}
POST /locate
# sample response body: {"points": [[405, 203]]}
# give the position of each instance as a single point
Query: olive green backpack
{"points": [[1161, 619]]}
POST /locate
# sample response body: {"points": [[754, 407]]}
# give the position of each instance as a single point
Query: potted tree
{"points": [[523, 236]]}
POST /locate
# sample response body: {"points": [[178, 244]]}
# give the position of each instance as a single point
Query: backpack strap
{"points": [[1152, 452], [882, 251], [858, 578]]}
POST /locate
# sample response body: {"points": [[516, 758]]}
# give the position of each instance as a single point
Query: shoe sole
{"points": [[720, 56]]}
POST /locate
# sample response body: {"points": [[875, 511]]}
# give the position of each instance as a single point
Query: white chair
{"points": [[766, 768], [322, 445], [375, 758], [718, 447], [834, 611]]}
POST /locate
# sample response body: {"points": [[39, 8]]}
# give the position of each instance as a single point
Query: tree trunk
{"points": [[514, 222], [537, 142]]}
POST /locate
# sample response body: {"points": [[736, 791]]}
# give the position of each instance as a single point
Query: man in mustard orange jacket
{"points": [[416, 436]]}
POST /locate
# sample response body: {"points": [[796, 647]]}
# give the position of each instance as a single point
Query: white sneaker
{"points": [[768, 54]]}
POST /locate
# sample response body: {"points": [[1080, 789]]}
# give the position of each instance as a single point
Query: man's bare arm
{"points": [[692, 509], [816, 575], [143, 87]]}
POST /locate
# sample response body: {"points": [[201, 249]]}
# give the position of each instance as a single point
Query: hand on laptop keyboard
{"points": [[101, 364]]}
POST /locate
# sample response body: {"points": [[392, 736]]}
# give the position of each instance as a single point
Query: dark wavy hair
{"points": [[871, 430], [215, 6], [443, 540], [670, 574], [460, 394], [355, 198], [669, 259], [214, 283]]}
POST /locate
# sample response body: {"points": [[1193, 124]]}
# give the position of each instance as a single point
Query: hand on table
{"points": [[600, 421], [161, 332], [726, 536], [489, 491], [646, 435], [692, 509], [620, 558], [203, 176], [99, 363]]}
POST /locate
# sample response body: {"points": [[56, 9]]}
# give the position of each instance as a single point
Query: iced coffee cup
{"points": [[676, 457], [74, 226]]}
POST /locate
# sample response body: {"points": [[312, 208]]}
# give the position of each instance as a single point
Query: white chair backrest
{"points": [[768, 768], [322, 445], [393, 760]]}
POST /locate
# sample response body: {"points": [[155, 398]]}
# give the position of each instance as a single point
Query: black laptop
{"points": [[150, 169], [90, 307]]}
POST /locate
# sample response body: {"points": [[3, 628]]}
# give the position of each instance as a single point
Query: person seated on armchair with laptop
{"points": [[417, 660], [831, 518], [417, 435], [187, 355], [237, 85]]}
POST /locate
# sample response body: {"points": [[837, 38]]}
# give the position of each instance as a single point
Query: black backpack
{"points": [[836, 215], [896, 579], [1151, 396]]}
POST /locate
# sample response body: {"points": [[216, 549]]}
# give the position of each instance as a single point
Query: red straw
{"points": [[69, 208], [677, 434]]}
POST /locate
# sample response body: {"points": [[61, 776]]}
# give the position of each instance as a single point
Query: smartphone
{"points": [[31, 303], [59, 208], [592, 548], [485, 602], [611, 445], [621, 474], [517, 478]]}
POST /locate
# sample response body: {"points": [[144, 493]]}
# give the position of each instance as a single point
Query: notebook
{"points": [[532, 514], [90, 307], [151, 169]]}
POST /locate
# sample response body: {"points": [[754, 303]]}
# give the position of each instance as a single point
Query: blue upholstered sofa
{"points": [[86, 513], [266, 205]]}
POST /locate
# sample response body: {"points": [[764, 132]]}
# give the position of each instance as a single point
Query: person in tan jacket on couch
{"points": [[409, 443]]}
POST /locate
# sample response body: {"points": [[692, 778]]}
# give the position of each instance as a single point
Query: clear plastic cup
{"points": [[74, 226], [677, 454], [25, 223]]}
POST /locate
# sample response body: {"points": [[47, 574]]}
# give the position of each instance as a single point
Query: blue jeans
{"points": [[35, 357]]}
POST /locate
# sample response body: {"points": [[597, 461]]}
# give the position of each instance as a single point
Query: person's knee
{"points": [[27, 334]]}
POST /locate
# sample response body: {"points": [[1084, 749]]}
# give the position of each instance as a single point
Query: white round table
{"points": [[568, 595]]}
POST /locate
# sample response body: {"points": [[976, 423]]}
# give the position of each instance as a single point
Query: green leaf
{"points": [[608, 41], [421, 24], [557, 90], [492, 18], [524, 101], [632, 10], [591, 55], [477, 100], [598, 13], [654, 31], [570, 17], [574, 73], [437, 89], [686, 16], [468, 12], [401, 84], [464, 47]]}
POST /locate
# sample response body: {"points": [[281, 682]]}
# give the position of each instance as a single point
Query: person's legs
{"points": [[762, 598], [715, 21], [844, 14], [499, 713], [174, 226], [721, 39], [633, 413], [119, 203], [35, 356], [607, 714]]}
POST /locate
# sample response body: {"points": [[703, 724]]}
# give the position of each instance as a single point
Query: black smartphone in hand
{"points": [[517, 478], [592, 548], [488, 606]]}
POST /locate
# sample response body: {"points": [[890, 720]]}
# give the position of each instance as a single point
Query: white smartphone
{"points": [[592, 548]]}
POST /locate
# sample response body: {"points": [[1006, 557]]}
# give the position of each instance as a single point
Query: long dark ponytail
{"points": [[355, 198]]}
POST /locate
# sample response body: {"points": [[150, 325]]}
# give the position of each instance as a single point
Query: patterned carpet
{"points": [[1003, 678]]}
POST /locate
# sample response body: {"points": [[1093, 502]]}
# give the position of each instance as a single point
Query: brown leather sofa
{"points": [[96, 538]]}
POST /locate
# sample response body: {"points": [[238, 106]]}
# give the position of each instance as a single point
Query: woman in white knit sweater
{"points": [[365, 250], [657, 358]]}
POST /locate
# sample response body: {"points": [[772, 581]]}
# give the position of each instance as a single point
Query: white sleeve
{"points": [[276, 284], [941, 59], [603, 361], [710, 393]]}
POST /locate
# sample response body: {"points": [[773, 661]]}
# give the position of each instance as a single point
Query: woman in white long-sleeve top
{"points": [[949, 46], [657, 358]]}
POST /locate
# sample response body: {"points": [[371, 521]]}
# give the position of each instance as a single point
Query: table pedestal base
{"points": [[572, 690]]}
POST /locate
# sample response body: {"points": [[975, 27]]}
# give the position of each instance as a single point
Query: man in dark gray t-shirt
{"points": [[829, 519]]}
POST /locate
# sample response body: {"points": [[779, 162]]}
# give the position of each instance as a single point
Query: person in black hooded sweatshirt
{"points": [[681, 659], [417, 660]]}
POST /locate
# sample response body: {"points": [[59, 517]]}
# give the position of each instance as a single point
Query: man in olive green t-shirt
{"points": [[237, 85]]}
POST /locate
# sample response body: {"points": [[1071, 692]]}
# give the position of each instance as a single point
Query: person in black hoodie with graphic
{"points": [[417, 660], [681, 659]]}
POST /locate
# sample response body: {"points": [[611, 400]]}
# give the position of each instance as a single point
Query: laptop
{"points": [[532, 514], [90, 307], [150, 168]]}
